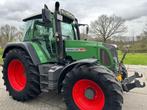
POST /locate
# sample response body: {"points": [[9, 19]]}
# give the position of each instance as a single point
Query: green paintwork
{"points": [[90, 46], [92, 50], [41, 55]]}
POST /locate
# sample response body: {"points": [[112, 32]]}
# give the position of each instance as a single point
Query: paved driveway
{"points": [[135, 100]]}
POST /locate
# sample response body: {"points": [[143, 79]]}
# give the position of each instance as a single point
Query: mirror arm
{"points": [[123, 57]]}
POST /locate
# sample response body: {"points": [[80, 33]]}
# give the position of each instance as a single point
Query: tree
{"points": [[106, 27], [9, 34]]}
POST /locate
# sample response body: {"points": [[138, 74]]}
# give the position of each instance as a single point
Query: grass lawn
{"points": [[134, 58], [1, 51]]}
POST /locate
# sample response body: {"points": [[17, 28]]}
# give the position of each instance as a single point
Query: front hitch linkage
{"points": [[131, 82]]}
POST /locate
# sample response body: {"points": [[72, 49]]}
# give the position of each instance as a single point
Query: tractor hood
{"points": [[81, 49]]}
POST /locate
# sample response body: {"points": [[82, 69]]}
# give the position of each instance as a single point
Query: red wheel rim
{"points": [[83, 103], [16, 75]]}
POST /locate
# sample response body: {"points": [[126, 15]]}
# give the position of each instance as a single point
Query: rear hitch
{"points": [[131, 82]]}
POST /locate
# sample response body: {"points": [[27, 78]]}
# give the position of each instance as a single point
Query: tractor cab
{"points": [[49, 30]]}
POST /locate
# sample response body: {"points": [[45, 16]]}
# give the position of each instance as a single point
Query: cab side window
{"points": [[104, 56], [28, 30], [40, 29]]}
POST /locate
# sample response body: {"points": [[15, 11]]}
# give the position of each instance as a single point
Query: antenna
{"points": [[45, 6]]}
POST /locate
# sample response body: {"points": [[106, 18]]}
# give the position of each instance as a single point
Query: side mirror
{"points": [[87, 29], [124, 55], [85, 25], [46, 15]]}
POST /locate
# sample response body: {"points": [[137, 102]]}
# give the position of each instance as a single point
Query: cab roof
{"points": [[38, 16]]}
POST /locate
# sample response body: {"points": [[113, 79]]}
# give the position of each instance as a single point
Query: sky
{"points": [[133, 11]]}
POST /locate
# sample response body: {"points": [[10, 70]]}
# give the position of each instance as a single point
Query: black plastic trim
{"points": [[72, 65], [25, 46]]}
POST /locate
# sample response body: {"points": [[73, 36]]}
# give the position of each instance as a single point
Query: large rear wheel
{"points": [[85, 88], [21, 76], [16, 75]]}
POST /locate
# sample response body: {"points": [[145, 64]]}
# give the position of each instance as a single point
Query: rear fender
{"points": [[26, 46]]}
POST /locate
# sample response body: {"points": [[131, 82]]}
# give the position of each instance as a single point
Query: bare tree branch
{"points": [[106, 27], [9, 34]]}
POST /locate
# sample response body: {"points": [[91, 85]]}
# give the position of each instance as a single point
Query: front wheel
{"points": [[85, 88]]}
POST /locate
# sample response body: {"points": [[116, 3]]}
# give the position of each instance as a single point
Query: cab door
{"points": [[43, 37]]}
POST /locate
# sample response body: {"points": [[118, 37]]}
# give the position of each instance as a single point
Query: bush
{"points": [[1, 52], [134, 58]]}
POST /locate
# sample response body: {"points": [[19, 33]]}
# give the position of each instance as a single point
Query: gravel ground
{"points": [[134, 100]]}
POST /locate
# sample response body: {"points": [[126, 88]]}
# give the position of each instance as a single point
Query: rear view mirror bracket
{"points": [[46, 15]]}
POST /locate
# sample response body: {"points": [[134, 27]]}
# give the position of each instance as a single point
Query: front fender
{"points": [[72, 65]]}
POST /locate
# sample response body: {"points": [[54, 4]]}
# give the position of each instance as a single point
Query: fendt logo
{"points": [[76, 49]]}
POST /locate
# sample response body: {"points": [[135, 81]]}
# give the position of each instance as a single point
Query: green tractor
{"points": [[53, 58]]}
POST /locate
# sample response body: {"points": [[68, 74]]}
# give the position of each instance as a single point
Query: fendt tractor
{"points": [[52, 57]]}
